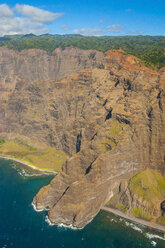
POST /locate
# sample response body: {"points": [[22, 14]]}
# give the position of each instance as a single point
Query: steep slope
{"points": [[106, 111], [143, 196], [43, 109]]}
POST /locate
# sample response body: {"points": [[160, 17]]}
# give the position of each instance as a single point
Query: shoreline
{"points": [[136, 220], [51, 224], [29, 165], [35, 209]]}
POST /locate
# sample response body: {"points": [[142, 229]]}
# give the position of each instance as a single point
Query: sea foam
{"points": [[62, 226], [133, 226], [37, 210], [153, 243], [154, 236]]}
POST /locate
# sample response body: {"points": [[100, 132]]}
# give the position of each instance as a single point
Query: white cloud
{"points": [[88, 31], [5, 11], [19, 25], [37, 14], [136, 32], [11, 23], [116, 28]]}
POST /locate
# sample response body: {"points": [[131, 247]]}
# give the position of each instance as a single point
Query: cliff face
{"points": [[34, 101], [105, 111], [143, 196]]}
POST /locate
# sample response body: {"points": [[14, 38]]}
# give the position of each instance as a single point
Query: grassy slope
{"points": [[112, 136], [149, 188], [149, 184], [49, 158]]}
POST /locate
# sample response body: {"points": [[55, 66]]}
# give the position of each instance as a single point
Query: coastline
{"points": [[134, 219], [148, 224], [35, 209], [51, 224], [29, 165]]}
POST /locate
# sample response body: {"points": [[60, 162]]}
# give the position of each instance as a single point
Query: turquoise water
{"points": [[22, 227]]}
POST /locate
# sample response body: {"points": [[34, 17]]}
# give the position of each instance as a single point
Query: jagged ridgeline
{"points": [[148, 48], [96, 117]]}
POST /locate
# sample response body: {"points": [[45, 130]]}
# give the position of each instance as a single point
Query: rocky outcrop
{"points": [[105, 110], [143, 196]]}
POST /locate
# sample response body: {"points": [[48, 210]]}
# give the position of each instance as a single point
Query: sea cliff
{"points": [[105, 111]]}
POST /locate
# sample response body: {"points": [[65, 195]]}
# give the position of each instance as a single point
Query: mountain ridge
{"points": [[148, 48]]}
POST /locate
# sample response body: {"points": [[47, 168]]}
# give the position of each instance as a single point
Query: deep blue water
{"points": [[22, 227]]}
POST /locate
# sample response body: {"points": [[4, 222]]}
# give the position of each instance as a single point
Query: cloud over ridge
{"points": [[116, 28], [37, 14], [88, 31], [30, 19]]}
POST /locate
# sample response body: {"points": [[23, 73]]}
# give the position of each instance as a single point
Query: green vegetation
{"points": [[107, 144], [115, 127], [139, 213], [161, 220], [149, 185], [121, 207], [2, 141], [147, 190], [118, 205], [49, 158], [111, 135], [150, 49]]}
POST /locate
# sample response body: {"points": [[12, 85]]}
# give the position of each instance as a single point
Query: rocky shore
{"points": [[149, 224]]}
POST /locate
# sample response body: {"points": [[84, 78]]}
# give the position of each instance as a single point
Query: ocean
{"points": [[22, 227]]}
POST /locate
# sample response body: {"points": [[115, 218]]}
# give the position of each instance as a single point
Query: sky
{"points": [[86, 17]]}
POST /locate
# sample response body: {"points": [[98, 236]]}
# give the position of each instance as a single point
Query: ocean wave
{"points": [[29, 170], [113, 220], [153, 243], [48, 221], [61, 226], [24, 173], [133, 226], [37, 210], [129, 224], [68, 227], [154, 236]]}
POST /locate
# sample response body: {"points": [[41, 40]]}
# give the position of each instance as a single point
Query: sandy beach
{"points": [[136, 220], [29, 165]]}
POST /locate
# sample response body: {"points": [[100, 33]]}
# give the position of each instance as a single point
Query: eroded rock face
{"points": [[142, 195], [105, 111]]}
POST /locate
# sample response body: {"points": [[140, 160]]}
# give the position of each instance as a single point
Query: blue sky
{"points": [[92, 17]]}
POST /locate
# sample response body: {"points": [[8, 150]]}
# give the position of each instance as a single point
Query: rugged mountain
{"points": [[106, 111], [35, 102]]}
